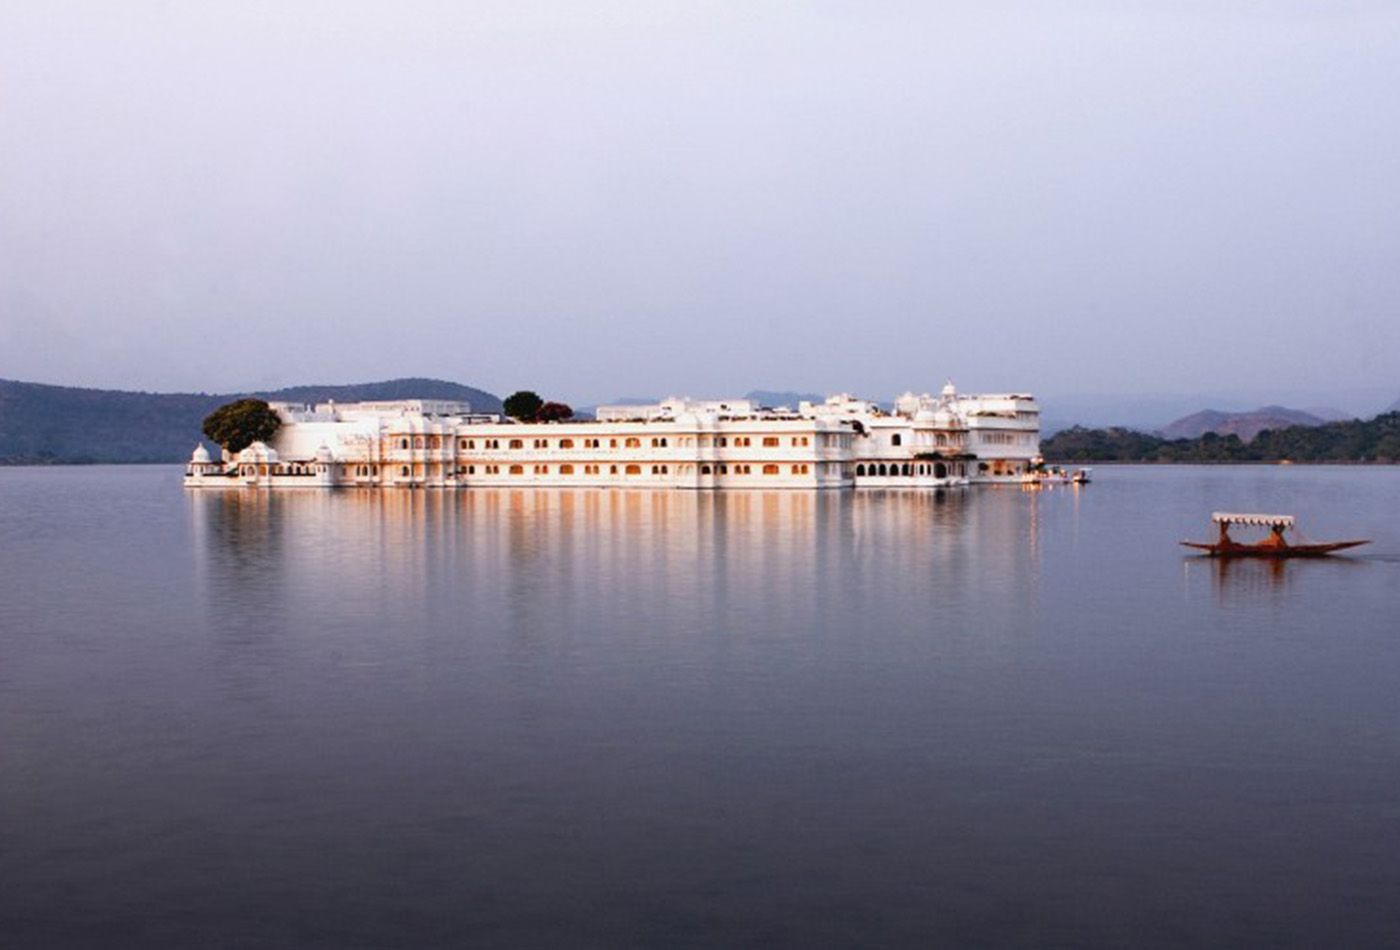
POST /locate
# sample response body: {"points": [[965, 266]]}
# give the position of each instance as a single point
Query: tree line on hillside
{"points": [[1356, 440]]}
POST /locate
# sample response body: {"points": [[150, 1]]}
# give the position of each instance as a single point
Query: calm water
{"points": [[602, 717]]}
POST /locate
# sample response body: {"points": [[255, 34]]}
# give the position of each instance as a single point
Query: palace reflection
{"points": [[541, 566]]}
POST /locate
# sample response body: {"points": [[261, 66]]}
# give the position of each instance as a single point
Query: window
{"points": [[541, 469], [403, 443], [517, 470], [517, 444], [860, 471], [799, 470], [633, 443], [403, 472], [566, 470], [896, 439], [658, 443], [721, 440], [704, 469], [566, 444], [770, 470], [801, 440], [633, 470], [770, 441]]}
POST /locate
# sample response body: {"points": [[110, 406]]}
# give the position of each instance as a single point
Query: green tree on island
{"points": [[237, 425], [523, 405]]}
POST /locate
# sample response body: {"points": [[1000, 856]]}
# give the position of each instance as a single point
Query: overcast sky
{"points": [[597, 199]]}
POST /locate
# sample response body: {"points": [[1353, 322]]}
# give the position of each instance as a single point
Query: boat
{"points": [[1274, 545], [1056, 475]]}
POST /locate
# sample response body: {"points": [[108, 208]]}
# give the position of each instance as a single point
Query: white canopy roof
{"points": [[1267, 521]]}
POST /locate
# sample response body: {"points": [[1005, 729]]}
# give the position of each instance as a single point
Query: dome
{"points": [[258, 452], [324, 454], [949, 389], [201, 454]]}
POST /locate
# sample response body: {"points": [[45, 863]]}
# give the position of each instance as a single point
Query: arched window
{"points": [[566, 443], [883, 471], [633, 469], [770, 470], [704, 469], [517, 470], [907, 470], [403, 443], [860, 471], [632, 443], [566, 470], [517, 444], [896, 439], [404, 471]]}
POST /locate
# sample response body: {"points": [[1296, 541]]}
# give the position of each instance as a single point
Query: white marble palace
{"points": [[925, 442]]}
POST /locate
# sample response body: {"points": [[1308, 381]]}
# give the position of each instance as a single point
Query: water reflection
{"points": [[543, 560]]}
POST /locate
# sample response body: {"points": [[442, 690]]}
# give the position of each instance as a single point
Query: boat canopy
{"points": [[1266, 521]]}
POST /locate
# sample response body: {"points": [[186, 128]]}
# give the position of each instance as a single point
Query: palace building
{"points": [[925, 442]]}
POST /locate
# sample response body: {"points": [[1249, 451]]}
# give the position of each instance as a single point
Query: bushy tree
{"points": [[523, 405], [554, 412], [237, 425]]}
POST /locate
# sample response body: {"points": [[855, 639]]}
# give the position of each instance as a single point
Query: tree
{"points": [[554, 412], [237, 425], [523, 405]]}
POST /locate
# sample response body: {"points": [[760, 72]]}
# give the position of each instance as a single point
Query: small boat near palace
{"points": [[1275, 544], [1055, 475]]}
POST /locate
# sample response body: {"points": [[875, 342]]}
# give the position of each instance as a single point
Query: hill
{"points": [[769, 397], [43, 424], [1371, 440], [1246, 425]]}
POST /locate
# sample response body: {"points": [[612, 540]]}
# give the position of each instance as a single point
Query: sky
{"points": [[593, 199]]}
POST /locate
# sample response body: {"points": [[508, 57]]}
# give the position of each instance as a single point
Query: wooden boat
{"points": [[1275, 545]]}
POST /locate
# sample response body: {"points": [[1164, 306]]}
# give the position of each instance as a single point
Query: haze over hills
{"points": [[1246, 425], [40, 423]]}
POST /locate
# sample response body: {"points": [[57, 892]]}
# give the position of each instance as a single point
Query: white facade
{"points": [[928, 441]]}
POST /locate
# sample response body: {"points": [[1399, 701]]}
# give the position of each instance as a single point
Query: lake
{"points": [[985, 716]]}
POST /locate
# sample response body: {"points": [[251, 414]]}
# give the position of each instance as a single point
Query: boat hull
{"points": [[1272, 550]]}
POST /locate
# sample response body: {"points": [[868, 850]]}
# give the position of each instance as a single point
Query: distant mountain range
{"points": [[42, 424], [1246, 425]]}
